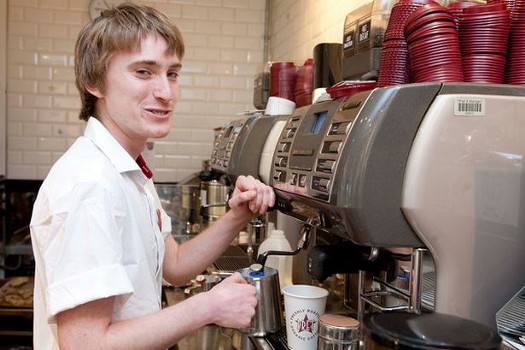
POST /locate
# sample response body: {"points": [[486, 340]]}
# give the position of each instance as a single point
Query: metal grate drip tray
{"points": [[231, 263]]}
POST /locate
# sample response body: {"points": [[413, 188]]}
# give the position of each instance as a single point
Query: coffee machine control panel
{"points": [[310, 147], [343, 161], [238, 149], [223, 144]]}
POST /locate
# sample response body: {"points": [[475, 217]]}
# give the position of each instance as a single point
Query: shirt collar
{"points": [[102, 138]]}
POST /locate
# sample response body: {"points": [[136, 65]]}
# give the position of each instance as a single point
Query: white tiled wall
{"points": [[225, 42], [297, 26], [225, 49]]}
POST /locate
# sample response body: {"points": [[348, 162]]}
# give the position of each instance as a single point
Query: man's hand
{"points": [[251, 197], [233, 302]]}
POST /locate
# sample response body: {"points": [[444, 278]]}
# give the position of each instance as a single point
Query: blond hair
{"points": [[117, 30]]}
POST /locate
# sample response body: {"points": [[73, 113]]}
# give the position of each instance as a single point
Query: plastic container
{"points": [[277, 241]]}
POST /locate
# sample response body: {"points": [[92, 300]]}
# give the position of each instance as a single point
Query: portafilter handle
{"points": [[306, 230]]}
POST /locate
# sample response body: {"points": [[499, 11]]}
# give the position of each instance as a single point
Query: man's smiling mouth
{"points": [[159, 112]]}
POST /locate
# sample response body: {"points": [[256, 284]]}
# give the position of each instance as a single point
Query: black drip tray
{"points": [[231, 263], [233, 259], [278, 340]]}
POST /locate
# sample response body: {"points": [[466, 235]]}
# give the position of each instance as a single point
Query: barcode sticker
{"points": [[469, 106]]}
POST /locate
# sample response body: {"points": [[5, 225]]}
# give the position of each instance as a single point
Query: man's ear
{"points": [[93, 90]]}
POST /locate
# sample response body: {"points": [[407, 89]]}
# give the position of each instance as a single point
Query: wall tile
{"points": [[52, 31], [52, 116], [37, 158], [38, 15], [23, 28], [51, 144], [23, 86], [195, 12], [55, 4], [22, 172], [48, 59], [37, 129], [66, 102], [208, 26], [22, 143], [235, 3], [68, 17], [15, 158], [36, 101]]}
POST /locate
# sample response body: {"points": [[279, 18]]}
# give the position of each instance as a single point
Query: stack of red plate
{"points": [[456, 8], [433, 45], [282, 80], [484, 36], [393, 69], [516, 58]]}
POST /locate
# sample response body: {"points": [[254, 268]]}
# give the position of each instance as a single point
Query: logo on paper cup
{"points": [[304, 324]]}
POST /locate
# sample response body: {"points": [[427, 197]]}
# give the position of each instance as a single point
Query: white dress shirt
{"points": [[96, 232]]}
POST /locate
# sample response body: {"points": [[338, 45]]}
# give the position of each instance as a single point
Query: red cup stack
{"points": [[516, 58], [304, 82], [282, 80], [456, 8], [433, 45], [484, 36], [393, 68]]}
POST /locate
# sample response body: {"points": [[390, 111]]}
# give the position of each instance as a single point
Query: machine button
{"points": [[284, 147], [293, 181], [290, 133], [324, 184], [302, 180], [321, 184], [281, 162], [340, 128], [332, 147], [326, 165], [279, 176]]}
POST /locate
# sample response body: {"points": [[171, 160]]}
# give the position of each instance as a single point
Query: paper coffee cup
{"points": [[303, 306], [279, 106]]}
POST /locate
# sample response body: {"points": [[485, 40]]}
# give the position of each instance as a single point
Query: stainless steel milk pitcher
{"points": [[268, 313]]}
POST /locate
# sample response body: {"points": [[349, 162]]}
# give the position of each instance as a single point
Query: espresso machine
{"points": [[414, 193], [245, 146], [417, 183]]}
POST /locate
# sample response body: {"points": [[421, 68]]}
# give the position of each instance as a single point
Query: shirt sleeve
{"points": [[84, 251]]}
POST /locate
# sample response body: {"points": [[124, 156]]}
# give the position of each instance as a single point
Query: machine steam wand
{"points": [[306, 230], [255, 231]]}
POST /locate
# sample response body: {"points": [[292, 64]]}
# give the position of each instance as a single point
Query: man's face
{"points": [[140, 93]]}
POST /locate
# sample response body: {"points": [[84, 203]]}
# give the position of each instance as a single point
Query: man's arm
{"points": [[183, 262], [89, 326]]}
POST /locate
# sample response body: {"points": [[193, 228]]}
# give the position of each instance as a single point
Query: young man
{"points": [[100, 246]]}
